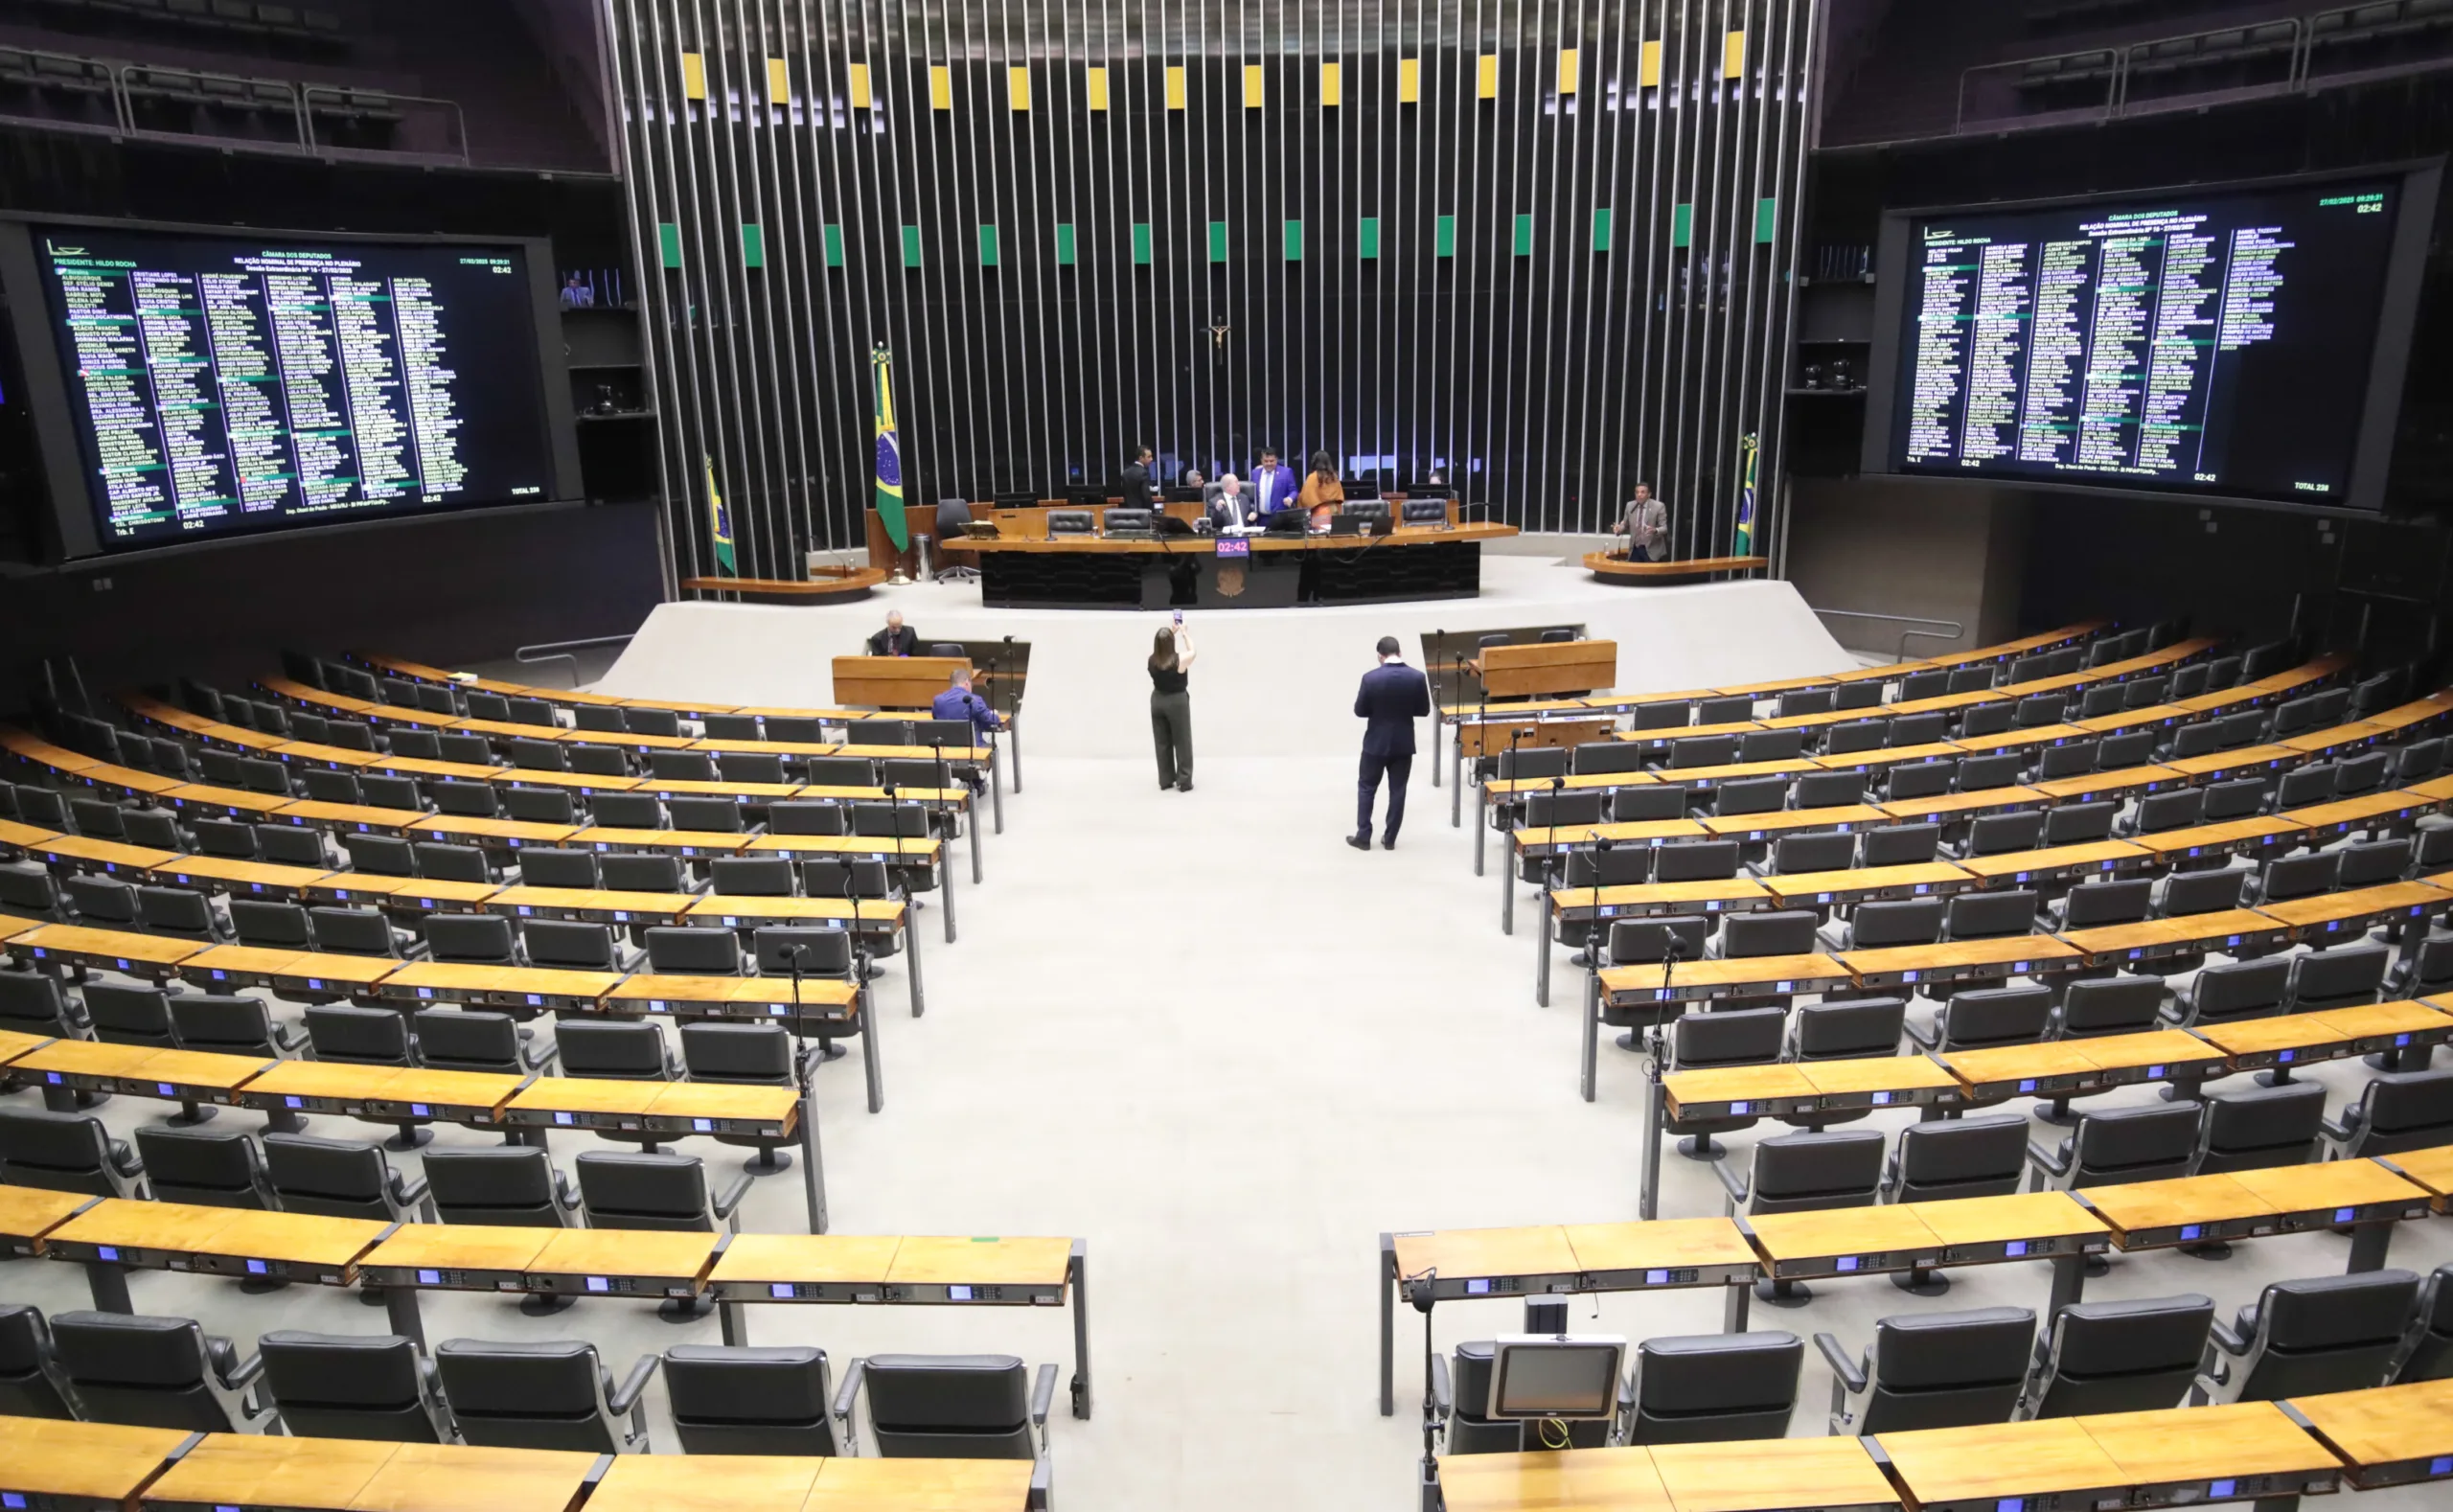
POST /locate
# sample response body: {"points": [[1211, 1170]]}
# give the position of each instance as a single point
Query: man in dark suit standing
{"points": [[1133, 486], [1391, 697]]}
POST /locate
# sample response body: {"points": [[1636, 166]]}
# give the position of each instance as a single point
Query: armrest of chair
{"points": [[123, 1157], [2222, 1337], [238, 1377], [1043, 1397], [731, 1197], [565, 1191], [2048, 1160], [1924, 1036], [1734, 1185], [625, 1396], [1846, 1372], [285, 1038], [847, 1395], [2341, 1130], [534, 1057], [407, 1189]]}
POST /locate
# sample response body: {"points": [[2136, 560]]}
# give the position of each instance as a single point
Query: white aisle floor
{"points": [[1200, 1033]]}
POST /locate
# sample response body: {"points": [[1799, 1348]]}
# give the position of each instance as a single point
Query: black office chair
{"points": [[1956, 1157], [574, 945], [2185, 893], [2096, 904], [738, 1400], [2251, 1128], [2343, 977], [1797, 853], [2233, 991], [1702, 1040], [2075, 759], [1848, 1028], [2334, 1332], [1888, 922], [465, 1040], [547, 1395], [1932, 1370], [1985, 1017], [207, 1170], [32, 1004], [354, 1386], [1616, 867], [65, 1152], [341, 1179], [2078, 823], [1713, 1387], [155, 1372], [2396, 1112], [1924, 779], [129, 1015], [2157, 811], [954, 1407], [2115, 1146], [1830, 790], [2426, 1353], [2119, 1356], [617, 1050], [1634, 805], [1805, 1173], [473, 939], [801, 817], [1597, 757], [31, 1383], [1460, 1389], [682, 951], [359, 931], [2108, 1005], [634, 872], [1990, 915], [666, 1193], [179, 911], [514, 1186], [539, 805], [100, 901], [1781, 932]]}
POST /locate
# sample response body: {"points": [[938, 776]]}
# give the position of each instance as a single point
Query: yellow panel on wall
{"points": [[1409, 80], [1255, 86], [1733, 55], [1648, 70], [863, 98], [1567, 69], [694, 76], [1176, 86], [941, 89], [779, 83], [1017, 87], [1097, 92], [1486, 77], [1332, 84]]}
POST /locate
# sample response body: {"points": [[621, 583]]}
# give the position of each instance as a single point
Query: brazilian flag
{"points": [[719, 521], [889, 451], [1744, 543]]}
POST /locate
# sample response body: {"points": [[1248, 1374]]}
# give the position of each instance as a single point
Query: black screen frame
{"points": [[75, 533], [2388, 358]]}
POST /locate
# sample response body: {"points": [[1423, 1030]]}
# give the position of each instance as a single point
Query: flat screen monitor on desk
{"points": [[1567, 1376], [1025, 499]]}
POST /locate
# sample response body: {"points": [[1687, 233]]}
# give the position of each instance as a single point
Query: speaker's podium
{"points": [[894, 682]]}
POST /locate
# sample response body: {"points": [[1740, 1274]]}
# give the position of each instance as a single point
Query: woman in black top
{"points": [[1171, 707]]}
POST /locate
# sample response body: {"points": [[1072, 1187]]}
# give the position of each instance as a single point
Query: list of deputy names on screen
{"points": [[283, 385]]}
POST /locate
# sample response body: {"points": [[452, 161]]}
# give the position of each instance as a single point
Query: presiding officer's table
{"points": [[1098, 572]]}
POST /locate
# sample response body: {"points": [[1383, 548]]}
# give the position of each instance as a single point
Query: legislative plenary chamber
{"points": [[1792, 853]]}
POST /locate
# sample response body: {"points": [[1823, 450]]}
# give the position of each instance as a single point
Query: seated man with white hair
{"points": [[1229, 505]]}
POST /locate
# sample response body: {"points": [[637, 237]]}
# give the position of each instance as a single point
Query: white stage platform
{"points": [[1269, 682]]}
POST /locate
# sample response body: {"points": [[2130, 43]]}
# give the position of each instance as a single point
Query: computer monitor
{"points": [[1182, 493], [1022, 499], [1568, 1376], [1087, 493]]}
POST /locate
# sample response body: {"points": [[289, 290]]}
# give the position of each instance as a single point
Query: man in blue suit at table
{"points": [[959, 702], [1391, 697]]}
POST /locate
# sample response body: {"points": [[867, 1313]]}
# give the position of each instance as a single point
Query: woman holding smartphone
{"points": [[1171, 705]]}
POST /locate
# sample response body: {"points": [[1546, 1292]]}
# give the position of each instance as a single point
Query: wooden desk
{"points": [[318, 1087], [120, 1231], [289, 1247], [2241, 1449], [1657, 900], [2347, 915], [464, 1257], [2330, 1034], [1534, 842], [1664, 738], [185, 1076], [246, 1470], [1675, 1252], [1950, 808], [2334, 1193], [205, 800], [80, 1467], [741, 911], [124, 952], [1547, 668], [13, 1045], [680, 842], [2374, 811], [2185, 1210], [917, 1485], [1460, 1263], [27, 1213], [1753, 827], [1889, 756], [1572, 1481], [1634, 986], [2051, 1069], [268, 881], [675, 1109], [1775, 1475], [1735, 1091], [333, 758], [493, 833], [896, 682], [465, 772], [740, 793], [2056, 863], [2249, 761], [462, 1478], [708, 1483], [1843, 1241], [15, 836], [496, 986], [349, 819], [291, 972], [2019, 740], [824, 1000], [2026, 1226], [2432, 1168], [2232, 932], [2255, 837], [614, 1261], [2127, 782], [1998, 1465], [1497, 791], [108, 857], [423, 894], [2389, 1435], [2338, 739], [1957, 960], [592, 904], [1867, 884]]}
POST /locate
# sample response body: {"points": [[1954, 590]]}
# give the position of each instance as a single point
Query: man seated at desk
{"points": [[1228, 504], [897, 639], [959, 702]]}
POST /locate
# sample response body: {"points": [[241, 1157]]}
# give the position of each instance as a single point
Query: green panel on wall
{"points": [[1065, 243], [1601, 230], [987, 246], [834, 238], [1141, 242], [1681, 225], [1767, 219], [668, 238], [1295, 242], [753, 247], [1525, 236], [911, 246], [1218, 242], [1443, 237], [1367, 237]]}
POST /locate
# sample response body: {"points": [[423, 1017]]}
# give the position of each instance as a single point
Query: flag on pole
{"points": [[1744, 544], [889, 501], [720, 521]]}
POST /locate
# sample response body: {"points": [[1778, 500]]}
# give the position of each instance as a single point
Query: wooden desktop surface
{"points": [[2002, 1460], [241, 874], [1877, 1073], [736, 906], [461, 1478], [461, 1246], [617, 1251], [2189, 929], [2171, 1203], [2011, 951], [1732, 1084], [713, 842], [2431, 1168], [2384, 1425], [653, 990], [615, 906], [1804, 974], [2017, 1063], [2332, 1184], [2152, 1049], [177, 1227], [89, 1461], [13, 1045], [920, 1485], [1616, 832], [1841, 1231], [1571, 1480], [2328, 1026], [814, 1259], [70, 939], [30, 1212], [2207, 1443], [259, 1469], [1908, 881], [1778, 1474], [1838, 816], [706, 1483], [1662, 897], [2107, 784], [924, 1259], [1466, 1253], [2089, 857], [1996, 1219], [1662, 1244], [248, 961], [540, 980]]}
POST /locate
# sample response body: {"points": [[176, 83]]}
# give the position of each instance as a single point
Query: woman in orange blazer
{"points": [[1322, 493]]}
